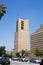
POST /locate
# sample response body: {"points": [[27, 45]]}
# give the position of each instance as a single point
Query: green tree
{"points": [[37, 52], [22, 52], [17, 54], [41, 53], [8, 55], [26, 53], [2, 50], [2, 10]]}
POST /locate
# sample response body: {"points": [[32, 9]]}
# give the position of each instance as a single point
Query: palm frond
{"points": [[2, 10]]}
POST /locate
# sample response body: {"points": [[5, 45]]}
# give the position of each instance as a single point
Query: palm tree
{"points": [[22, 52], [2, 10]]}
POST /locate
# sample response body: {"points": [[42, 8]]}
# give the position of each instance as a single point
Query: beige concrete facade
{"points": [[36, 40], [21, 35]]}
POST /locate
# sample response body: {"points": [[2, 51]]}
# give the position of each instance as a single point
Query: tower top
{"points": [[19, 19]]}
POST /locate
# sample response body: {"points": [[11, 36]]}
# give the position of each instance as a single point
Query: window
{"points": [[22, 24]]}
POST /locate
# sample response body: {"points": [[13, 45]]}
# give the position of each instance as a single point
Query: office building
{"points": [[36, 39]]}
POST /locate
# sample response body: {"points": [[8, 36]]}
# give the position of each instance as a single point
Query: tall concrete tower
{"points": [[21, 35]]}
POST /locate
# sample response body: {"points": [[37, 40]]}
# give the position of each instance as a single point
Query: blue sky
{"points": [[25, 9]]}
